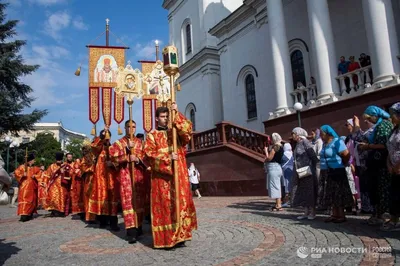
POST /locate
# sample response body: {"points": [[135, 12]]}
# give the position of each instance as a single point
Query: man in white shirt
{"points": [[194, 178]]}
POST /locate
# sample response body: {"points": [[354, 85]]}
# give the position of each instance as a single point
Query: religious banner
{"points": [[94, 107], [104, 62], [106, 105], [147, 115], [119, 105]]}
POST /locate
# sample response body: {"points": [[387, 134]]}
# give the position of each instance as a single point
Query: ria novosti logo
{"points": [[303, 252]]}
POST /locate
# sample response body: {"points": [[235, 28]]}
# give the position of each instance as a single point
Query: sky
{"points": [[57, 32]]}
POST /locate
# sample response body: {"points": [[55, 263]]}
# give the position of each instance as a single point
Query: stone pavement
{"points": [[232, 231]]}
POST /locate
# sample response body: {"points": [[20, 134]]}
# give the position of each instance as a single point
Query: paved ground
{"points": [[232, 231]]}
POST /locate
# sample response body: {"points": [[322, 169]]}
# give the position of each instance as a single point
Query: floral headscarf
{"points": [[395, 108]]}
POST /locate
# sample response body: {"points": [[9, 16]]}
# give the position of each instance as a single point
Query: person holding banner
{"points": [[169, 229], [103, 201], [132, 197]]}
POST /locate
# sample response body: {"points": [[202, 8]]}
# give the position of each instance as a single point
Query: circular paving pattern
{"points": [[247, 242]]}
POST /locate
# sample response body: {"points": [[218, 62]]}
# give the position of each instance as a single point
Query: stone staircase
{"points": [[230, 160]]}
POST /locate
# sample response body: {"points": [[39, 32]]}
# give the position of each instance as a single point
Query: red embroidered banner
{"points": [[119, 105], [94, 104], [147, 115], [106, 105]]}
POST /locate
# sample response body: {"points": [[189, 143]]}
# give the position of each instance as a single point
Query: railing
{"points": [[305, 95], [355, 81], [226, 132]]}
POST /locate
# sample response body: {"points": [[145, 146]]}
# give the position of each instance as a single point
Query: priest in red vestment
{"points": [[58, 187], [27, 177], [167, 231], [87, 168], [104, 197], [77, 186], [42, 188], [133, 202]]}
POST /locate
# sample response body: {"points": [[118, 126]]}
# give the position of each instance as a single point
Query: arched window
{"points": [[298, 72], [190, 112], [188, 39], [251, 97], [193, 119]]}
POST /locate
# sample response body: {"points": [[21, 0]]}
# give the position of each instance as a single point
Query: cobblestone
{"points": [[232, 231]]}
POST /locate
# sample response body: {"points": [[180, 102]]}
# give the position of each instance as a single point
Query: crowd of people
{"points": [[130, 174], [358, 173]]}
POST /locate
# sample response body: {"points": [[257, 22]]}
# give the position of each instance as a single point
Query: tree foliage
{"points": [[14, 95], [45, 147], [75, 147]]}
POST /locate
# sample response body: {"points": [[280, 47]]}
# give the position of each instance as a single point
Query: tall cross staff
{"points": [[170, 56], [130, 83]]}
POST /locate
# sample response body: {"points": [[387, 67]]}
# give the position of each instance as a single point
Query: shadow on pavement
{"points": [[353, 226], [7, 250]]}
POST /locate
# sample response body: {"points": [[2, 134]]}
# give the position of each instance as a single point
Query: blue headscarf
{"points": [[381, 114], [329, 130]]}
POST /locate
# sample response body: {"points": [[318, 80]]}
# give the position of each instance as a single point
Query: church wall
{"points": [[239, 53], [197, 89], [213, 12], [188, 10], [349, 33], [396, 13]]}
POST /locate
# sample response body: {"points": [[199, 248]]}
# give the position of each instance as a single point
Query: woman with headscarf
{"points": [[393, 166], [378, 175], [360, 136], [273, 159], [287, 168], [334, 156], [305, 184], [317, 145]]}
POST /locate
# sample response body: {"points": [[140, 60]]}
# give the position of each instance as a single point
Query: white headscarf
{"points": [[287, 150], [301, 132], [192, 167], [276, 139]]}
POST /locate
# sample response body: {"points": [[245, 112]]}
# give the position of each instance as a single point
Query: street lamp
{"points": [[298, 106], [8, 141]]}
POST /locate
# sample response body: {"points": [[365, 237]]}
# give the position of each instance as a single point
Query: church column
{"points": [[280, 55], [380, 28], [323, 48]]}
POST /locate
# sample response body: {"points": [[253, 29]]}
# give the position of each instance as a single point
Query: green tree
{"points": [[75, 147], [14, 95], [45, 147]]}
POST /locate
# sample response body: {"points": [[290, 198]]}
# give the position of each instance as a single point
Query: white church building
{"points": [[249, 61]]}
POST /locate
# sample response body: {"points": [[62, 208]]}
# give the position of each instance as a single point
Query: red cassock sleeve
{"points": [[183, 128], [158, 158]]}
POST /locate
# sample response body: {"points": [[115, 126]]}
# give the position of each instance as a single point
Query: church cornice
{"points": [[167, 4], [253, 9], [207, 58]]}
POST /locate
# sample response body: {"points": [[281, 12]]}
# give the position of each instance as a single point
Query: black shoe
{"points": [[114, 223], [103, 221], [25, 218], [131, 235], [180, 244]]}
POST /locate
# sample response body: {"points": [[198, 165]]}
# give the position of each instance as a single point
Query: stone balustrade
{"points": [[305, 95], [363, 80]]}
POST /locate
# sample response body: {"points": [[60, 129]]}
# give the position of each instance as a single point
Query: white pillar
{"points": [[323, 48], [380, 28], [280, 55]]}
